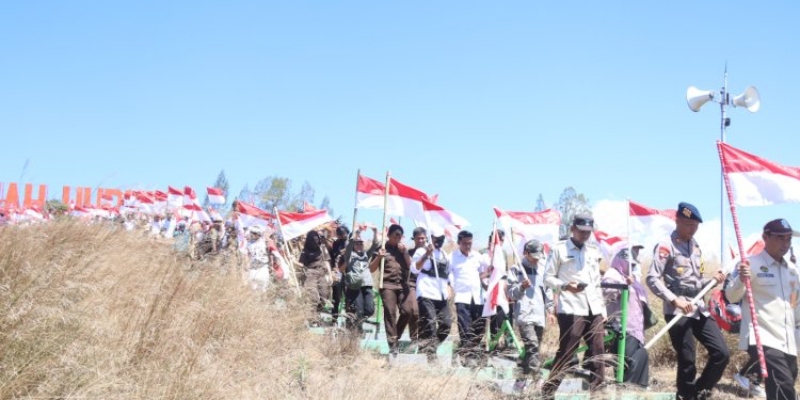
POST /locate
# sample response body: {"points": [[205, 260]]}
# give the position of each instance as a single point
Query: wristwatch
{"points": [[564, 287]]}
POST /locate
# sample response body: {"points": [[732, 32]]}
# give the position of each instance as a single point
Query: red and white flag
{"points": [[436, 216], [174, 198], [250, 215], [188, 195], [649, 224], [496, 290], [296, 224], [216, 196], [145, 202], [542, 226], [756, 181], [609, 245], [403, 200]]}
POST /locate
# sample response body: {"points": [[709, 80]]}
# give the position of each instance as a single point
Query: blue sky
{"points": [[486, 104]]}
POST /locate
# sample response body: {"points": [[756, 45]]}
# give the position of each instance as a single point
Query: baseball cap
{"points": [[583, 221], [778, 226], [534, 248]]}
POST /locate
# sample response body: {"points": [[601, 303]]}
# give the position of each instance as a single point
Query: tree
{"points": [[272, 192], [570, 203], [306, 195], [245, 195], [56, 207], [540, 204], [220, 183], [326, 205]]}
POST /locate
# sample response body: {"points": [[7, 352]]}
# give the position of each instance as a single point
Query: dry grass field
{"points": [[94, 312]]}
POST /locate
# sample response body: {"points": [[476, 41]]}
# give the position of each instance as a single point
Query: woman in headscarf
{"points": [[315, 266], [636, 357]]}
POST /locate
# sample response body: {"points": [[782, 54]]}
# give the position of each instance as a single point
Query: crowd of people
{"points": [[424, 288]]}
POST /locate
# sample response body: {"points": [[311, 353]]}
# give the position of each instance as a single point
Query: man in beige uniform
{"points": [[775, 285], [573, 269], [676, 276]]}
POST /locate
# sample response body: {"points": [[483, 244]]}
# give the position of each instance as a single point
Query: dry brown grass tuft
{"points": [[96, 312]]}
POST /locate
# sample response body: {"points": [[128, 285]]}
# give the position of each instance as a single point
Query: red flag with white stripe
{"points": [[540, 225], [403, 200], [174, 198], [759, 182], [436, 216], [297, 224], [216, 196], [609, 245], [250, 215]]}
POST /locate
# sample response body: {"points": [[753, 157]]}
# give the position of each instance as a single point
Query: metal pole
{"points": [[722, 103]]}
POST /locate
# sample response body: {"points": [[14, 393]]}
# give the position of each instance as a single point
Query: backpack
{"points": [[728, 315], [354, 277]]}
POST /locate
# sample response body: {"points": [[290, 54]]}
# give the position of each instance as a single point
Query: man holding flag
{"points": [[573, 269], [775, 282], [466, 267]]}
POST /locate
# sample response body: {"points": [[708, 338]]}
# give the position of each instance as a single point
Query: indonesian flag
{"points": [[436, 216], [403, 200], [160, 201], [648, 225], [308, 207], [541, 225], [756, 181], [496, 291], [610, 245], [174, 198], [216, 196], [192, 208], [188, 195], [296, 224], [250, 215], [145, 201], [214, 214]]}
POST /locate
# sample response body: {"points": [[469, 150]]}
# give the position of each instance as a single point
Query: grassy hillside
{"points": [[96, 312]]}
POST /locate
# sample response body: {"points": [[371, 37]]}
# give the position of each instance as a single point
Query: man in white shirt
{"points": [[774, 282], [466, 267], [573, 269], [431, 266]]}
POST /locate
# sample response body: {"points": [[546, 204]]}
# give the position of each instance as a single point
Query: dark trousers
{"points": [[414, 324], [359, 305], [637, 361], [336, 289], [531, 337], [682, 335], [434, 321], [470, 327], [397, 311], [573, 328], [781, 372]]}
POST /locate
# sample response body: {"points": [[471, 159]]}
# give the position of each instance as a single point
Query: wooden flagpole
{"points": [[383, 232]]}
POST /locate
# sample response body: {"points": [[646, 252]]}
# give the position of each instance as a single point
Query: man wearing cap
{"points": [[676, 276], [431, 265], [533, 306], [359, 302], [573, 269], [395, 294], [774, 281]]}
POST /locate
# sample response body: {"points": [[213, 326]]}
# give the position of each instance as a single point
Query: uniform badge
{"points": [[680, 270], [663, 253], [764, 269], [687, 212]]}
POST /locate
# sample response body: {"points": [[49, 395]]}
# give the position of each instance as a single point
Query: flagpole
{"points": [[514, 252], [355, 206], [754, 317], [383, 232], [286, 249], [492, 249], [630, 240]]}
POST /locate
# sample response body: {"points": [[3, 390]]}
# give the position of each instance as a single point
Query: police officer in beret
{"points": [[676, 276], [573, 270]]}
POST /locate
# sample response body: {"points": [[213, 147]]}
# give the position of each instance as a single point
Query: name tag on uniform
{"points": [[765, 275]]}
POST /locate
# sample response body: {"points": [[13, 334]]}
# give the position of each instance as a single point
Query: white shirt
{"points": [[567, 263], [428, 286], [775, 286], [465, 276]]}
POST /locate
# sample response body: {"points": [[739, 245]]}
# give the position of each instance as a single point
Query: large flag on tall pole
{"points": [[759, 182], [754, 181], [402, 200], [250, 215]]}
